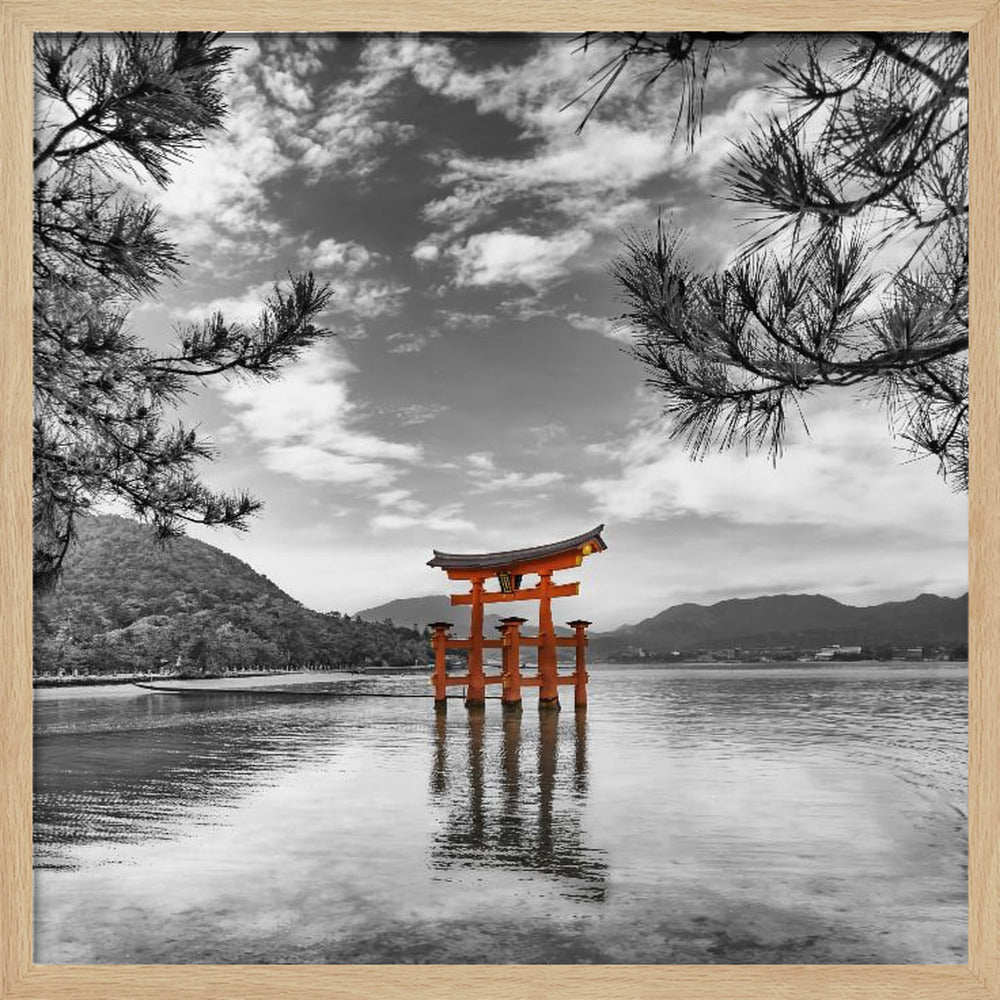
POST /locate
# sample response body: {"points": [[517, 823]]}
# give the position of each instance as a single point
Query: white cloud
{"points": [[846, 475], [341, 264], [593, 171], [521, 481], [588, 176], [526, 307], [457, 320], [542, 434], [714, 142], [347, 258], [351, 131], [283, 86], [444, 519], [347, 139], [407, 343], [399, 510], [243, 308], [309, 426], [596, 180], [481, 461], [302, 53], [402, 500], [486, 476], [508, 257], [426, 252], [366, 298], [418, 413], [279, 121], [218, 193], [610, 328], [360, 298], [321, 465]]}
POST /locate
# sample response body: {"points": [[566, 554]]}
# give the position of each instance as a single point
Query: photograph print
{"points": [[500, 498]]}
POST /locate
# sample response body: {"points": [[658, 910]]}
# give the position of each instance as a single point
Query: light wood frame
{"points": [[20, 978]]}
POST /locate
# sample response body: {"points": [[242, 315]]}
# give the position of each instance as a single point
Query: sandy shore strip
{"points": [[245, 683]]}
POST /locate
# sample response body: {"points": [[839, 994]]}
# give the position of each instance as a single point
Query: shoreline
{"points": [[85, 680], [124, 688]]}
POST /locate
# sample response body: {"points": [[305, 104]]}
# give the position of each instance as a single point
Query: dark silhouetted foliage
{"points": [[857, 275]]}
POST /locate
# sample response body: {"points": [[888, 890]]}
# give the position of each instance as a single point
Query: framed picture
{"points": [[745, 778]]}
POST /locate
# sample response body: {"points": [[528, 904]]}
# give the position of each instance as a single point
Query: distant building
{"points": [[912, 653], [835, 651]]}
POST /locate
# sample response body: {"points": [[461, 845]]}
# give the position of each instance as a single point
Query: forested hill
{"points": [[127, 602]]}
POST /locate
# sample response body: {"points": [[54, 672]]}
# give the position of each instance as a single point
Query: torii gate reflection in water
{"points": [[510, 568]]}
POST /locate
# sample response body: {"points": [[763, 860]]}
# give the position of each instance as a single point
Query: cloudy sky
{"points": [[477, 396]]}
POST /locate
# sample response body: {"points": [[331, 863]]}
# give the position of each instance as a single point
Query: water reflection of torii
{"points": [[504, 834]]}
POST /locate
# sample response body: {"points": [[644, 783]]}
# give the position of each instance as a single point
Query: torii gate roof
{"points": [[512, 558]]}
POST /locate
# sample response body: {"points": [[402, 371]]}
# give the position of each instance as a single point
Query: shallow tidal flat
{"points": [[757, 815]]}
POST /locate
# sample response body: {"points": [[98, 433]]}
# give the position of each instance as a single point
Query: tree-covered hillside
{"points": [[128, 602]]}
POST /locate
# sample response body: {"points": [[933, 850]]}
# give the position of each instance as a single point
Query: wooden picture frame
{"points": [[20, 978]]}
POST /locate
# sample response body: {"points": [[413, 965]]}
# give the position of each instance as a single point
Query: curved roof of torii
{"points": [[499, 560]]}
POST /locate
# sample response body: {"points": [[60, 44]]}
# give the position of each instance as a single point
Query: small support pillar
{"points": [[548, 691], [439, 642], [580, 675], [510, 629]]}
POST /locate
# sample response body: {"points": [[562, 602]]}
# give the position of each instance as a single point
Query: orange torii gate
{"points": [[510, 568]]}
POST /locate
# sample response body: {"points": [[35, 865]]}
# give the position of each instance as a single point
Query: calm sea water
{"points": [[762, 814]]}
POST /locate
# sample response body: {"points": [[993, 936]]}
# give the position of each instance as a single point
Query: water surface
{"points": [[756, 814]]}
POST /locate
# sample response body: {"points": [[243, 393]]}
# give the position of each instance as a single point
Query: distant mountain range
{"points": [[798, 620]]}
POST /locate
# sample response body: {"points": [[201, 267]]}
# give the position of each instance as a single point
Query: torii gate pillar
{"points": [[548, 671]]}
